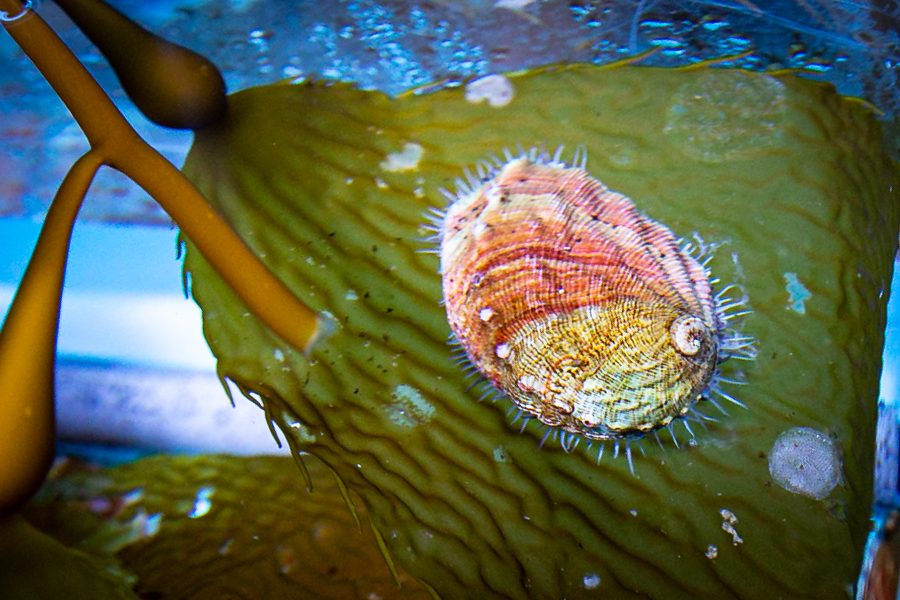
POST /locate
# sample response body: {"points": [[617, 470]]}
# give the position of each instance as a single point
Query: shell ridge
{"points": [[633, 230], [664, 250]]}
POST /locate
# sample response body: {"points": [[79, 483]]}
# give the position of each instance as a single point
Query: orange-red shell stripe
{"points": [[524, 257]]}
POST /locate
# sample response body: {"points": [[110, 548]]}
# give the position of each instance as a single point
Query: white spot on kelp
{"points": [[729, 520], [805, 461], [300, 432], [797, 293], [496, 89], [226, 547], [711, 552], [714, 118], [591, 581], [141, 526], [326, 326], [404, 160], [409, 407], [151, 525], [201, 502], [500, 454]]}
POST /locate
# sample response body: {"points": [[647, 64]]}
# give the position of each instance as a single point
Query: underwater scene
{"points": [[449, 299]]}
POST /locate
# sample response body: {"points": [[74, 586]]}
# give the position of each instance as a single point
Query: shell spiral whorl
{"points": [[587, 314]]}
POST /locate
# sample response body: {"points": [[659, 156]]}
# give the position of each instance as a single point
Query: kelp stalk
{"points": [[122, 148], [29, 334], [28, 346]]}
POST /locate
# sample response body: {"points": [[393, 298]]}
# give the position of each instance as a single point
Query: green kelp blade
{"points": [[329, 185], [35, 565], [216, 527]]}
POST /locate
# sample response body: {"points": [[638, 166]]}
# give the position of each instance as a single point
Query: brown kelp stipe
{"points": [[28, 346], [28, 339]]}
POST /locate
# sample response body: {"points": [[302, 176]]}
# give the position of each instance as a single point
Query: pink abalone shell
{"points": [[586, 313]]}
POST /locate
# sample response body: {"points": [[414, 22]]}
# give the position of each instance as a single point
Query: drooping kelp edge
{"points": [[782, 174], [35, 565], [215, 527]]}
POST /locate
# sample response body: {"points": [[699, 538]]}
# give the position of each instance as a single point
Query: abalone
{"points": [[590, 316]]}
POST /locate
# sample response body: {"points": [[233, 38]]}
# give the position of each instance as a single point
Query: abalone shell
{"points": [[587, 314]]}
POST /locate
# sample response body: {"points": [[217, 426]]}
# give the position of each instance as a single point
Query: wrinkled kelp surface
{"points": [[782, 175]]}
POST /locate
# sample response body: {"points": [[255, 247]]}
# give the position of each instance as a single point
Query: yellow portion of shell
{"points": [[609, 370]]}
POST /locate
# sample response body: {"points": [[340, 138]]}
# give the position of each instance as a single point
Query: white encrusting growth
{"points": [[591, 581], [409, 407], [496, 89], [404, 160], [805, 461], [729, 520]]}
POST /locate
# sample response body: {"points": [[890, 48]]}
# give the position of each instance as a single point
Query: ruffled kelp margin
{"points": [[328, 185]]}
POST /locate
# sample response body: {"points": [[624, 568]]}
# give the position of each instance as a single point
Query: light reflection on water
{"points": [[392, 46]]}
